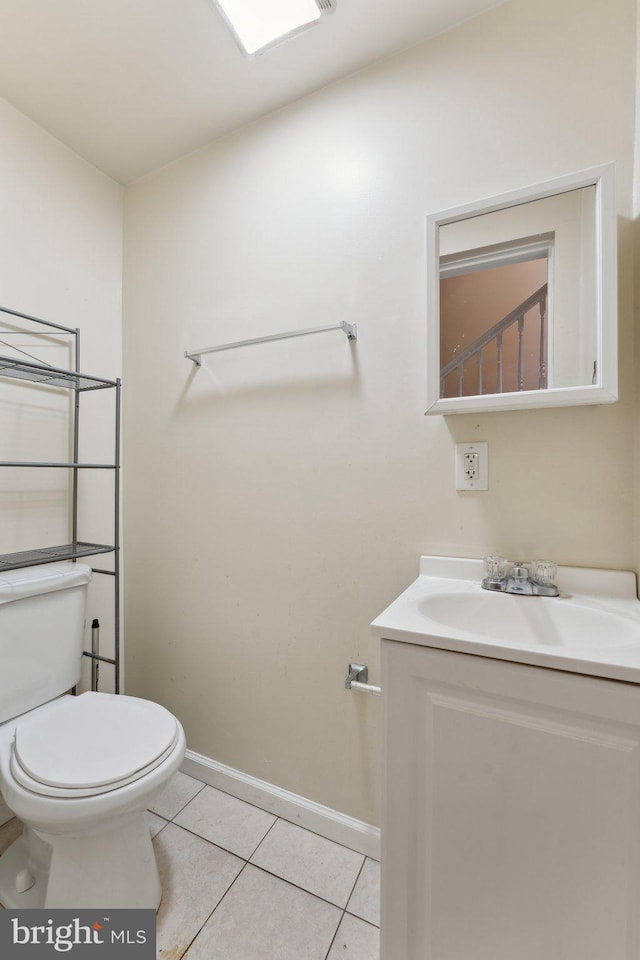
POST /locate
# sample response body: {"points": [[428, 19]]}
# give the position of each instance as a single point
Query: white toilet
{"points": [[79, 772]]}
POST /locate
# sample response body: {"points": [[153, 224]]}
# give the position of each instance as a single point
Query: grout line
{"points": [[163, 827], [233, 797], [188, 801], [333, 939], [294, 823], [369, 923], [355, 883], [265, 836], [345, 913], [206, 921], [239, 799], [231, 853], [297, 886], [159, 815]]}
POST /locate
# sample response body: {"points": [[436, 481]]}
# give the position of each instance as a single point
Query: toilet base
{"points": [[12, 861], [115, 867]]}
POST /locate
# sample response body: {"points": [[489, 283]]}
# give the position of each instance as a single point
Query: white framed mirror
{"points": [[522, 298]]}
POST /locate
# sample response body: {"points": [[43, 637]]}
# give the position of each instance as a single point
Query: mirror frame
{"points": [[605, 390]]}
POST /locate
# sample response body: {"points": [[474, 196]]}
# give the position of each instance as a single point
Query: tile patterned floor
{"points": [[241, 884]]}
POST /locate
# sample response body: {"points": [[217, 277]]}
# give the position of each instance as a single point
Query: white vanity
{"points": [[511, 815]]}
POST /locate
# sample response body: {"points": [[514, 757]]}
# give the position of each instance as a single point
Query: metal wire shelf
{"points": [[68, 551], [51, 376], [29, 370], [56, 463]]}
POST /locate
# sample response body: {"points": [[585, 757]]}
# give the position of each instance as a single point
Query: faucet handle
{"points": [[544, 571], [495, 568]]}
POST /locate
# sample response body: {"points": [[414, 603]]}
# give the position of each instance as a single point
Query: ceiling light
{"points": [[257, 24]]}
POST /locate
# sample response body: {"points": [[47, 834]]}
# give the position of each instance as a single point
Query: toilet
{"points": [[80, 771]]}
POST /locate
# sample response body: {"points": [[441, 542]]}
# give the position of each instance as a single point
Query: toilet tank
{"points": [[42, 615]]}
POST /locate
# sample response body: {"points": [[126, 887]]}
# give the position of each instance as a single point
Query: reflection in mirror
{"points": [[518, 311], [494, 319], [522, 298]]}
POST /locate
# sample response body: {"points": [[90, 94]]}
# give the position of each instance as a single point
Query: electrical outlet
{"points": [[472, 466]]}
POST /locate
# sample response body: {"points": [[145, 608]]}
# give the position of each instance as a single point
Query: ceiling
{"points": [[133, 84]]}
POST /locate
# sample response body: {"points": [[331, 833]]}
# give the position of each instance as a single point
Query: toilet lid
{"points": [[94, 742]]}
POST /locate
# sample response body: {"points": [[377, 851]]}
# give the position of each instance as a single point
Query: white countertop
{"points": [[593, 627]]}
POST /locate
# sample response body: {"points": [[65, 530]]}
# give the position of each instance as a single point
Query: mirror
{"points": [[522, 299]]}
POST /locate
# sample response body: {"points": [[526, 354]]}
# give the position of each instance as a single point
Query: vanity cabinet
{"points": [[511, 811]]}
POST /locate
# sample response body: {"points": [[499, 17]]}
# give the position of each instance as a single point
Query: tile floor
{"points": [[241, 884]]}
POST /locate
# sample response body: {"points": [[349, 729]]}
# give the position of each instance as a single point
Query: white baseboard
{"points": [[5, 813], [313, 816]]}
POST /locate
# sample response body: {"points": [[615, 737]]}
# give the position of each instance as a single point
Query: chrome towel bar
{"points": [[350, 329]]}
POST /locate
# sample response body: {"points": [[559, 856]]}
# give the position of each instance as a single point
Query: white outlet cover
{"points": [[480, 453]]}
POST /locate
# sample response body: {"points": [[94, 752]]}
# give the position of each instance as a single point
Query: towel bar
{"points": [[350, 329]]}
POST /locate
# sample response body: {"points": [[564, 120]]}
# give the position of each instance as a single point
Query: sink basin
{"points": [[593, 627], [522, 621]]}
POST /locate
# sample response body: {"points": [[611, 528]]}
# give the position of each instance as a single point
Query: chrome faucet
{"points": [[519, 579]]}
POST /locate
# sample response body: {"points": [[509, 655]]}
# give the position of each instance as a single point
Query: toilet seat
{"points": [[92, 744]]}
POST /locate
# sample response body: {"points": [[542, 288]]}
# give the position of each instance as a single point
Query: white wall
{"points": [[279, 497], [61, 260]]}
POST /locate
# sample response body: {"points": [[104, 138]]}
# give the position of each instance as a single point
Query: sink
{"points": [[548, 621], [593, 627]]}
